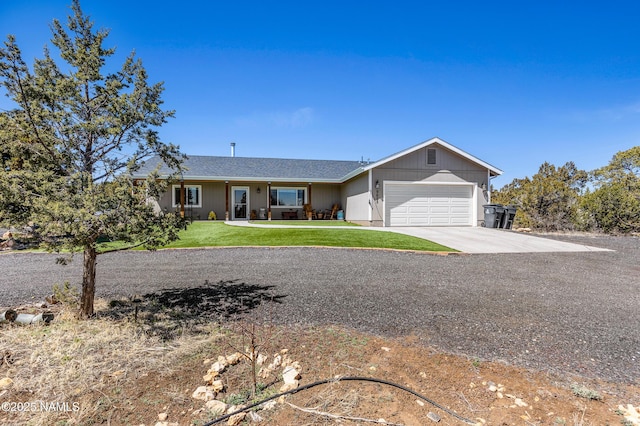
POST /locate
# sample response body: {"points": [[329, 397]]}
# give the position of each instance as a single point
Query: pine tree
{"points": [[69, 147]]}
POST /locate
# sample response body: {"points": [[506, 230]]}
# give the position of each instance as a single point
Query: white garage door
{"points": [[428, 205]]}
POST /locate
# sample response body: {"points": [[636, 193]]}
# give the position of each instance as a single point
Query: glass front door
{"points": [[240, 202]]}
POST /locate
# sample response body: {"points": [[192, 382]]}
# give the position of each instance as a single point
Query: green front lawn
{"points": [[217, 234]]}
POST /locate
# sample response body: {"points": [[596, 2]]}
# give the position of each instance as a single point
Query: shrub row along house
{"points": [[430, 184]]}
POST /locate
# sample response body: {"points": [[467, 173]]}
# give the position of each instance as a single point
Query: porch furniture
{"points": [[289, 215], [331, 214]]}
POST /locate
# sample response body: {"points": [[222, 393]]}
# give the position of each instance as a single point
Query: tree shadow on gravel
{"points": [[170, 312]]}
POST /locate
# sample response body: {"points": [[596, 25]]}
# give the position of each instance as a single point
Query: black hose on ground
{"points": [[344, 379]]}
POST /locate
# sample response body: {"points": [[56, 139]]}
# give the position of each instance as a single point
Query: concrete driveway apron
{"points": [[488, 240]]}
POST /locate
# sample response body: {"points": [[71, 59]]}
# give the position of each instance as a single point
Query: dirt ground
{"points": [[115, 372], [458, 383]]}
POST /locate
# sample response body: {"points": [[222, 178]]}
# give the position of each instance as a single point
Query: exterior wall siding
{"points": [[355, 199]]}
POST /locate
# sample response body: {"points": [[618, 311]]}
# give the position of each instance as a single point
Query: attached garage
{"points": [[428, 204]]}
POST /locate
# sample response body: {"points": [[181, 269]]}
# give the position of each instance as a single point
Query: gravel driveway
{"points": [[569, 312]]}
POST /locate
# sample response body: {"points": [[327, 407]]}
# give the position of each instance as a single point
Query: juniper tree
{"points": [[69, 147]]}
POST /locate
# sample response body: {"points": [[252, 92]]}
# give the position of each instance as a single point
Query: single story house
{"points": [[430, 184]]}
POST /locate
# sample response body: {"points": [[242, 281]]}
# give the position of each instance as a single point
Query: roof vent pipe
{"points": [[233, 149]]}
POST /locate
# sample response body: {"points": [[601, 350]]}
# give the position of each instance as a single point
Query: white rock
{"points": [[5, 383], [218, 366], [234, 358], [420, 403], [261, 359], [217, 386], [288, 387], [433, 417], [216, 407], [205, 393], [162, 416], [269, 405], [277, 361], [520, 403], [290, 375]]}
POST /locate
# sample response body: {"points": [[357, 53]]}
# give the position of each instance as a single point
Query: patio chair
{"points": [[331, 214]]}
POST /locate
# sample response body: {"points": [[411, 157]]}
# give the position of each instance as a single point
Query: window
{"points": [[288, 197], [431, 156], [192, 195]]}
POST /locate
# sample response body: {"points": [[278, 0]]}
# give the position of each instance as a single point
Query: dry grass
{"points": [[72, 361]]}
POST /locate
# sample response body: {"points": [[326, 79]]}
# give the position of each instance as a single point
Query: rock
{"points": [[6, 383], [255, 417], [217, 386], [493, 388], [234, 358], [420, 403], [210, 376], [218, 366], [269, 405], [290, 375], [631, 414], [520, 403], [265, 372], [205, 393], [261, 359], [162, 416], [384, 348], [288, 387], [7, 235], [237, 419], [277, 361], [433, 417], [216, 407]]}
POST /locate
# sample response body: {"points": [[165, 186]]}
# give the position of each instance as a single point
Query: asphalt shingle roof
{"points": [[247, 168]]}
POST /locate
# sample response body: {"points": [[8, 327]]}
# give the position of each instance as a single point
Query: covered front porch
{"points": [[237, 200]]}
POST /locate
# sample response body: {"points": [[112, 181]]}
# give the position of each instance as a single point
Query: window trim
{"points": [[176, 203], [296, 188]]}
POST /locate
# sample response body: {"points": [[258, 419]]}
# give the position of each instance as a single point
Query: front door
{"points": [[240, 201]]}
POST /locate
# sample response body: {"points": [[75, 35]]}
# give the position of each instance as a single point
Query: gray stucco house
{"points": [[429, 184]]}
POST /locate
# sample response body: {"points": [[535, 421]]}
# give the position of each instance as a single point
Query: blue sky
{"points": [[513, 83]]}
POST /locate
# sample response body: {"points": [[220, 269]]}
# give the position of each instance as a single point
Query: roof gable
{"points": [[493, 170]]}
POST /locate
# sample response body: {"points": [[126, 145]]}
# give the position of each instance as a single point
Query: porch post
{"points": [[309, 198], [226, 200], [181, 197], [269, 200]]}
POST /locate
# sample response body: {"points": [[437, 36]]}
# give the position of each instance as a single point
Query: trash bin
{"points": [[493, 214], [263, 213], [500, 215], [340, 215], [509, 215]]}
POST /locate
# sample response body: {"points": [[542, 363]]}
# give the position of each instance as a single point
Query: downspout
{"points": [[488, 186]]}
